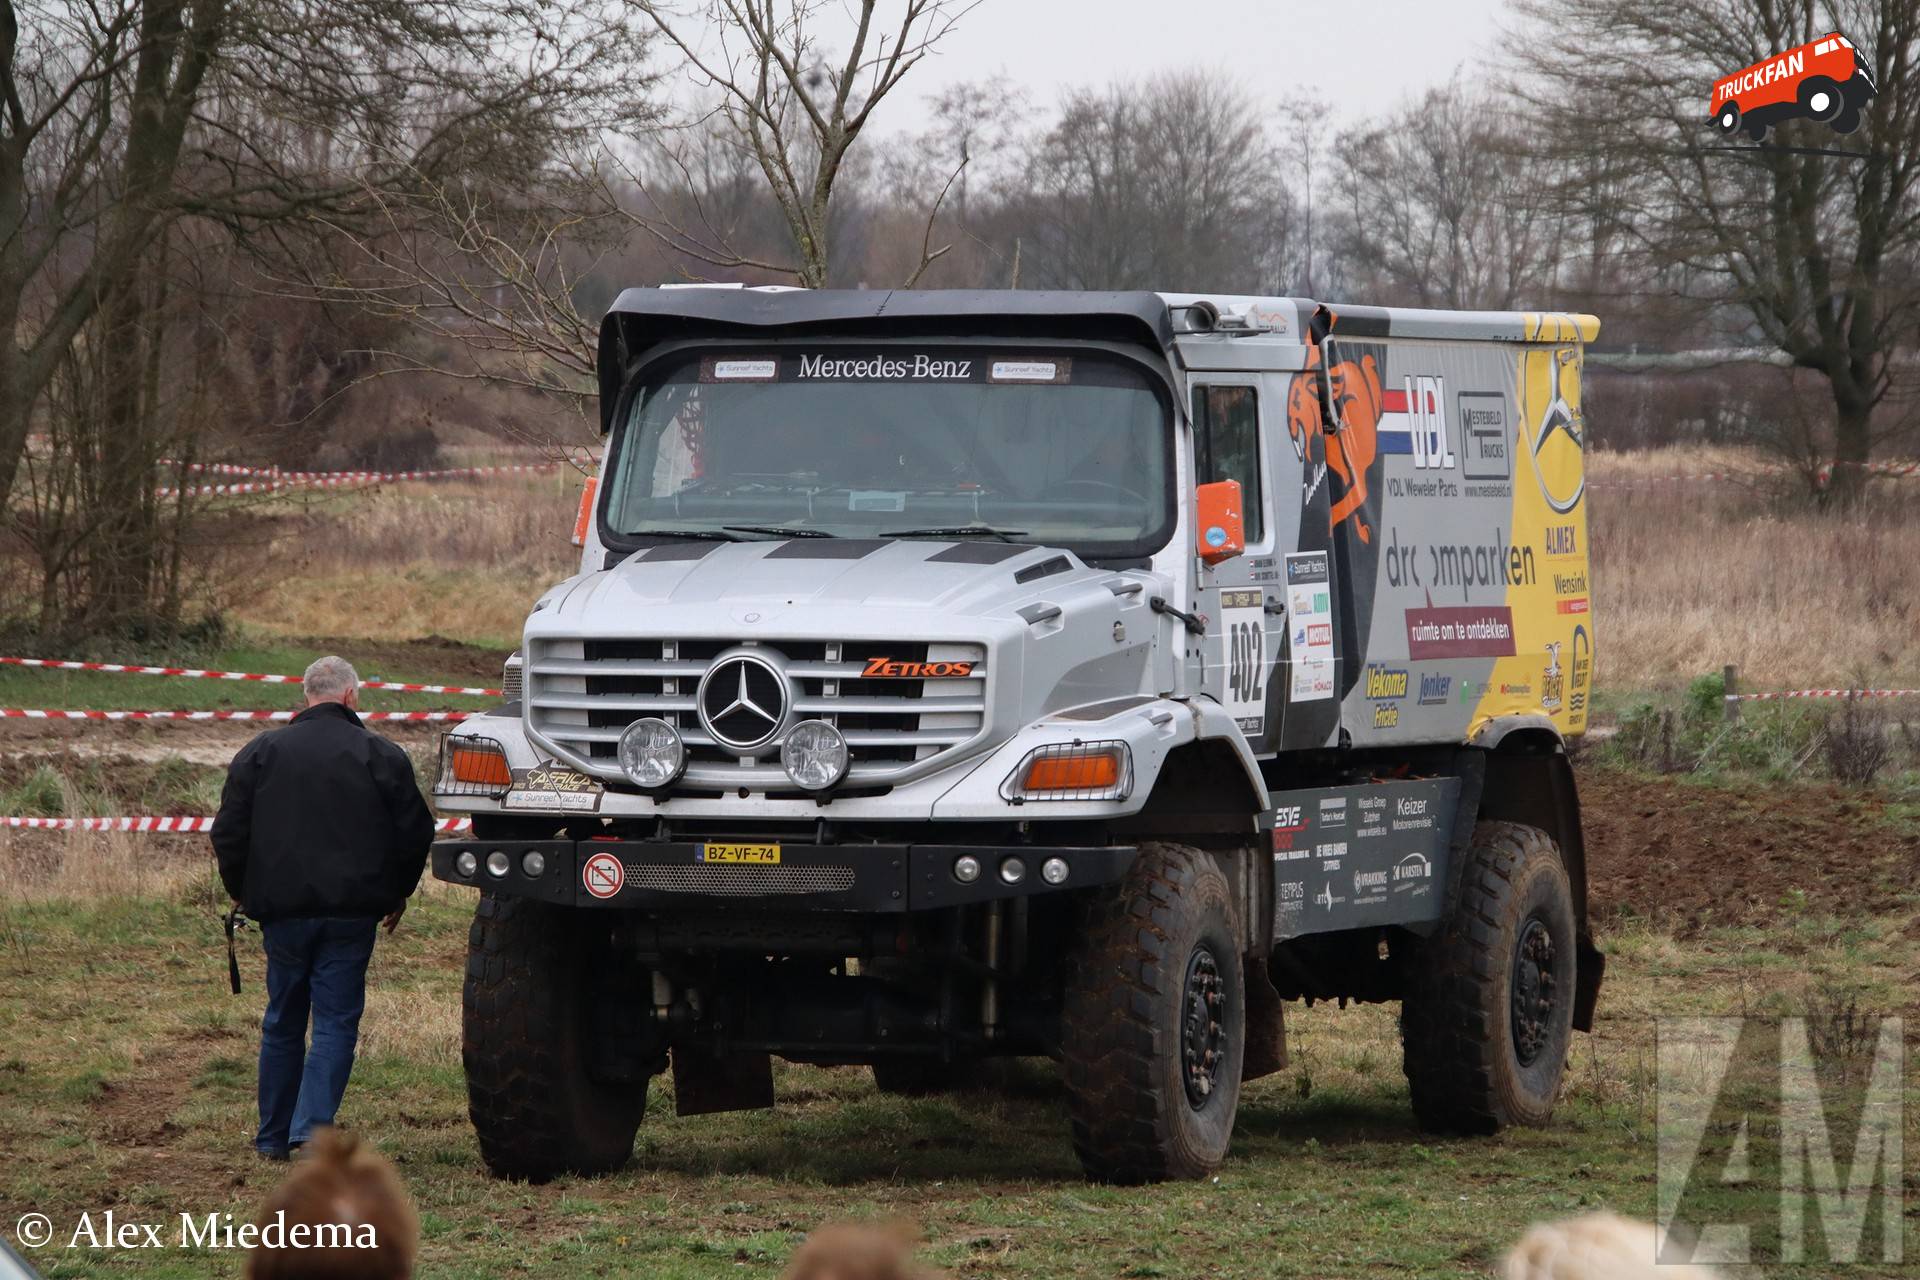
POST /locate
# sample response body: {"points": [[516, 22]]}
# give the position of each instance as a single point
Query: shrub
{"points": [[1857, 746]]}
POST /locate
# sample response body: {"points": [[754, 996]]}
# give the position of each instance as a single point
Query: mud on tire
{"points": [[1153, 987], [1488, 1014], [540, 1105]]}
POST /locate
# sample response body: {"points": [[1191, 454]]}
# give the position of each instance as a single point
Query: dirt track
{"points": [[1687, 856], [1678, 854], [200, 742]]}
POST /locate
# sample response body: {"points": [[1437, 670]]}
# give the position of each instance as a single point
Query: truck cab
{"points": [[953, 675]]}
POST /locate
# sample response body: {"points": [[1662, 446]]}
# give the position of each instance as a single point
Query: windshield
{"points": [[1065, 448]]}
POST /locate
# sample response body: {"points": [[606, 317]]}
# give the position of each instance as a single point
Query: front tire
{"points": [[1154, 1022], [1821, 99], [539, 1106], [1488, 1016]]}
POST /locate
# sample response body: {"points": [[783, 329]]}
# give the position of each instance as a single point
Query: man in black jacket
{"points": [[321, 833]]}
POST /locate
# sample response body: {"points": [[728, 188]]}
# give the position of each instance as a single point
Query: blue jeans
{"points": [[316, 966]]}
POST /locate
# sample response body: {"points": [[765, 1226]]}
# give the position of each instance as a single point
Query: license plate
{"points": [[761, 854]]}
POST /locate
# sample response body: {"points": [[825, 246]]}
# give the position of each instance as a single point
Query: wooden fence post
{"points": [[1730, 678]]}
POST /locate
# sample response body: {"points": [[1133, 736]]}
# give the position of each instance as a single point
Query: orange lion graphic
{"points": [[1352, 449]]}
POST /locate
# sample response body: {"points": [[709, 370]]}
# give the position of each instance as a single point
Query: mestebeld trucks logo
{"points": [[1825, 80]]}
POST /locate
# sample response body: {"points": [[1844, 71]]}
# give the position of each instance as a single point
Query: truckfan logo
{"points": [[743, 702], [1825, 81], [884, 668]]}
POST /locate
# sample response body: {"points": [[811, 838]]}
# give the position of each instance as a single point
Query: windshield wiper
{"points": [[705, 535], [778, 532], [959, 531]]}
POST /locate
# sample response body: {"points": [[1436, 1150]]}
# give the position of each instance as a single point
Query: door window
{"points": [[1226, 428]]}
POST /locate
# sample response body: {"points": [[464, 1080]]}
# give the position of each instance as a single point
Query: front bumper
{"points": [[863, 878]]}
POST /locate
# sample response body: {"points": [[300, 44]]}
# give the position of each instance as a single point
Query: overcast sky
{"points": [[1359, 56]]}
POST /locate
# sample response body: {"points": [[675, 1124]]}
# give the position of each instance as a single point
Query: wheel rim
{"points": [[1203, 1039], [1535, 992], [1819, 103]]}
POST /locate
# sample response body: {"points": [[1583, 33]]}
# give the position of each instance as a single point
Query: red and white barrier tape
{"points": [[176, 825], [1822, 693], [410, 717], [396, 686], [277, 480]]}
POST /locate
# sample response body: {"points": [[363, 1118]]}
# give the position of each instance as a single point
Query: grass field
{"points": [[1747, 883], [126, 1081]]}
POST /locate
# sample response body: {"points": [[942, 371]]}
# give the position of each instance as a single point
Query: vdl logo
{"points": [[1779, 1140], [1427, 422]]}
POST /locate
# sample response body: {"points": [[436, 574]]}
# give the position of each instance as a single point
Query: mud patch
{"points": [[1686, 856]]}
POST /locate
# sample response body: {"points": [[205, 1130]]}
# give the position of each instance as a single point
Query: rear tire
{"points": [[1488, 1015], [1154, 1023], [538, 1105], [1728, 121]]}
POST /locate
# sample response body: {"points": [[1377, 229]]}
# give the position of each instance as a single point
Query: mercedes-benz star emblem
{"points": [[743, 702]]}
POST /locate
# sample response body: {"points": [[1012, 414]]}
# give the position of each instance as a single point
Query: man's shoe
{"points": [[278, 1155]]}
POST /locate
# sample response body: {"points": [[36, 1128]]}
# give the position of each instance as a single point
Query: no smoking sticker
{"points": [[603, 875]]}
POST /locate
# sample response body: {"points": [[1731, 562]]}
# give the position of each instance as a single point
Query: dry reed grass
{"points": [[65, 866], [411, 560], [1687, 576]]}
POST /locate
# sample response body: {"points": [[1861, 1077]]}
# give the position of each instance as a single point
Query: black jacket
{"points": [[321, 818]]}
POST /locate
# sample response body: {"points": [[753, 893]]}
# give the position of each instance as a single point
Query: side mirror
{"points": [[1220, 520], [583, 521]]}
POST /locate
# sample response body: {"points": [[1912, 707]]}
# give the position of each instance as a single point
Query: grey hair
{"points": [[330, 679]]}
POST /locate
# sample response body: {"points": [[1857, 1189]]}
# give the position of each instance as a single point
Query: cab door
{"points": [[1234, 417]]}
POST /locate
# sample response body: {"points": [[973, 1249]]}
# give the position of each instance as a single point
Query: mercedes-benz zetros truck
{"points": [[953, 675]]}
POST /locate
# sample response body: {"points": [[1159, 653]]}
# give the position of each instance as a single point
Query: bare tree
{"points": [[1791, 245], [127, 124], [1171, 184], [796, 109], [1440, 204]]}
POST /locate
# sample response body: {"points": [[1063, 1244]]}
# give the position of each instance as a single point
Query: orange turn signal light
{"points": [[486, 768], [1094, 772]]}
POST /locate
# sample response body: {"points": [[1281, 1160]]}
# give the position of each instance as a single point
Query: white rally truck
{"points": [[953, 675]]}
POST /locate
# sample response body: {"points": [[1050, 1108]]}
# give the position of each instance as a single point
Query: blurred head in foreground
{"points": [[859, 1251], [338, 1183], [1599, 1246]]}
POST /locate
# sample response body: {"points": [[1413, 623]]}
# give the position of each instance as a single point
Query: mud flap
{"points": [[1591, 967], [705, 1082], [1266, 1050]]}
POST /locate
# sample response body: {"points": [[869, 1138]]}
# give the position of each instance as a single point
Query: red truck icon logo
{"points": [[1824, 80]]}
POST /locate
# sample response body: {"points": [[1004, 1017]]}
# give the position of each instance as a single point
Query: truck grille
{"points": [[582, 694]]}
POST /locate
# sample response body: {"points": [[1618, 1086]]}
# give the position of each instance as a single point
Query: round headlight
{"points": [[1054, 871], [466, 864], [1013, 871], [498, 863], [651, 753], [534, 863], [966, 868], [815, 755]]}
